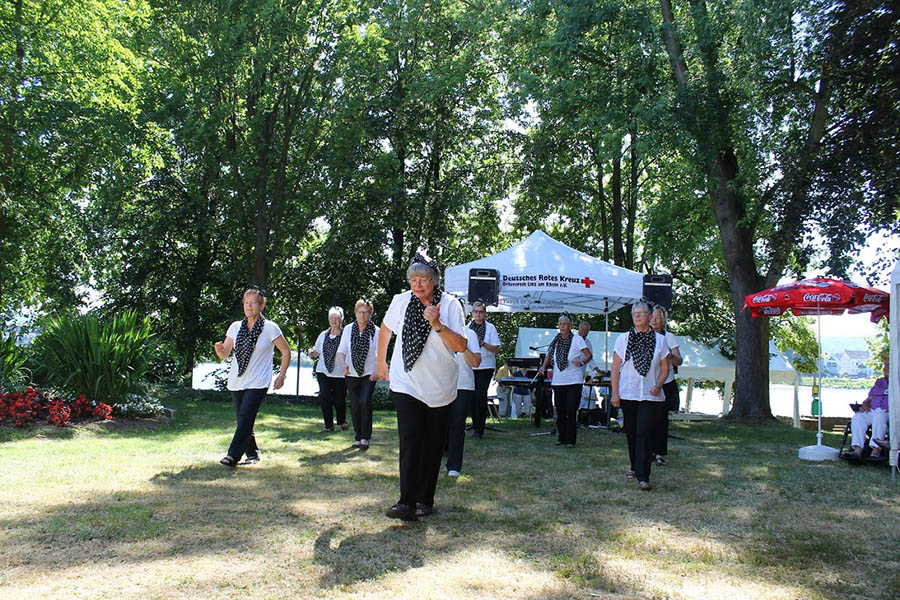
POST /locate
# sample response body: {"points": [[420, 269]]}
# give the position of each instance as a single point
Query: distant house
{"points": [[852, 363], [831, 365]]}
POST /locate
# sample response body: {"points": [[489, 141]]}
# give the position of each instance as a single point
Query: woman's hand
{"points": [[220, 350], [313, 353], [382, 372], [433, 315], [373, 377], [576, 363], [279, 381], [654, 391], [615, 401], [542, 371], [346, 371]]}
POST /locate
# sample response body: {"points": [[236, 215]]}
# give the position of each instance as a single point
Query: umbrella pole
{"points": [[818, 377]]}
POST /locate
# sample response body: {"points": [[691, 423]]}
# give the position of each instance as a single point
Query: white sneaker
{"points": [[452, 473]]}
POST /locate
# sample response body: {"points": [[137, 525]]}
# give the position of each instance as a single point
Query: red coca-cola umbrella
{"points": [[815, 297], [818, 296]]}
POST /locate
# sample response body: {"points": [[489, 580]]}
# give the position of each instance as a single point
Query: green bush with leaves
{"points": [[104, 360], [13, 358]]}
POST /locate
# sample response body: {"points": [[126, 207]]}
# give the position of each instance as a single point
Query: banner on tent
{"points": [[545, 280], [526, 302]]}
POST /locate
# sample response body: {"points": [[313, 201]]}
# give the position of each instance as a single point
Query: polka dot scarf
{"points": [[561, 346], [246, 342], [415, 328], [640, 349], [329, 349], [359, 345], [479, 330]]}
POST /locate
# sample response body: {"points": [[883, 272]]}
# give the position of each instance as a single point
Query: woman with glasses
{"points": [[430, 327], [357, 352], [639, 370], [569, 354], [253, 340], [330, 371]]}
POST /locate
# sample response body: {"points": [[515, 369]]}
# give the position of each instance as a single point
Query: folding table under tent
{"points": [[540, 274]]}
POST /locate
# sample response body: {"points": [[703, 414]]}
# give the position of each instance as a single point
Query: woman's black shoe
{"points": [[423, 510], [402, 512]]}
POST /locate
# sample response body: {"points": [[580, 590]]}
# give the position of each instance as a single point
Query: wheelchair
{"points": [[851, 457]]}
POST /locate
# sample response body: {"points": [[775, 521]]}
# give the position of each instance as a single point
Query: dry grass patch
{"points": [[148, 513]]}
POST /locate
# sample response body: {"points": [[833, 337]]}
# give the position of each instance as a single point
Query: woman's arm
{"points": [[381, 366], [472, 358], [285, 350], [546, 362], [663, 375], [223, 349], [585, 358], [451, 339], [675, 356], [614, 379]]}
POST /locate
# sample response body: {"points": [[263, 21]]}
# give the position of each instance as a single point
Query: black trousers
{"points": [[641, 423], [480, 398], [567, 398], [360, 390], [422, 431], [661, 444], [456, 440], [333, 396], [246, 406]]}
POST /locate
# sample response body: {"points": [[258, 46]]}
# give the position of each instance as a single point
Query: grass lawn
{"points": [[147, 512]]}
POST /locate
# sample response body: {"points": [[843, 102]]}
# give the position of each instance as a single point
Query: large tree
{"points": [[754, 88]]}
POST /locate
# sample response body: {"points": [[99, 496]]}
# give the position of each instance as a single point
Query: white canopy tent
{"points": [[540, 274], [893, 379], [701, 363]]}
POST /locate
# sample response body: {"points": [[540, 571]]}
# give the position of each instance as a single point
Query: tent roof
{"points": [[701, 362], [540, 274]]}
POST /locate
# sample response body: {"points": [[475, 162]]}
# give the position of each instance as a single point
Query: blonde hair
{"points": [[260, 296], [363, 302]]}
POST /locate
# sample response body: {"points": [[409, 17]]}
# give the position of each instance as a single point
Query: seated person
{"points": [[521, 399], [874, 412], [504, 393]]}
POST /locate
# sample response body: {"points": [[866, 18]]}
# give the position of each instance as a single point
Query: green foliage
{"points": [[796, 334], [879, 347], [103, 360], [13, 360]]}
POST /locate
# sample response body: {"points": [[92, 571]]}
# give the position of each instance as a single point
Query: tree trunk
{"points": [[617, 217], [632, 204], [751, 398]]}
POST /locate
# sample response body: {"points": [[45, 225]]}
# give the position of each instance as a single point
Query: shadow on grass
{"points": [[369, 555], [732, 499]]}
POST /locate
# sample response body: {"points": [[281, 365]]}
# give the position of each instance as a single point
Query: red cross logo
{"points": [[587, 281]]}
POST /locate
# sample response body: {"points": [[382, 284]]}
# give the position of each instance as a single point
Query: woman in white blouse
{"points": [[489, 342], [358, 351], [639, 369], [569, 354], [430, 329], [330, 371], [658, 322], [253, 340]]}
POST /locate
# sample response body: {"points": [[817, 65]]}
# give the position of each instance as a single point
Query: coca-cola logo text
{"points": [[764, 298], [873, 298], [822, 297]]}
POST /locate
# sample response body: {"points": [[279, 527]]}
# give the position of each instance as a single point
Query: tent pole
{"points": [[819, 374], [796, 404], [606, 337]]}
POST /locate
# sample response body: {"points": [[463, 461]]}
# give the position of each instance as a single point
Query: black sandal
{"points": [[228, 462]]}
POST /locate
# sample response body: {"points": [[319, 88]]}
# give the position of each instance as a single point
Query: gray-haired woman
{"points": [[568, 353], [639, 369], [430, 327], [253, 340], [670, 388], [330, 371]]}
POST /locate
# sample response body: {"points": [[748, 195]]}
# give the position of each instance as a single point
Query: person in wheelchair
{"points": [[873, 412]]}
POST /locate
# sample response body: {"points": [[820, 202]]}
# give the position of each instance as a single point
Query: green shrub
{"points": [[13, 358], [105, 361], [381, 398]]}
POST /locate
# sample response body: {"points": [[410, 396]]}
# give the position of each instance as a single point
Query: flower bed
{"points": [[33, 405]]}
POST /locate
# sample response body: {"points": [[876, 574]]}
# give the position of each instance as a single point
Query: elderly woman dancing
{"points": [[330, 371], [639, 369], [358, 350], [569, 354], [253, 340], [430, 327]]}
